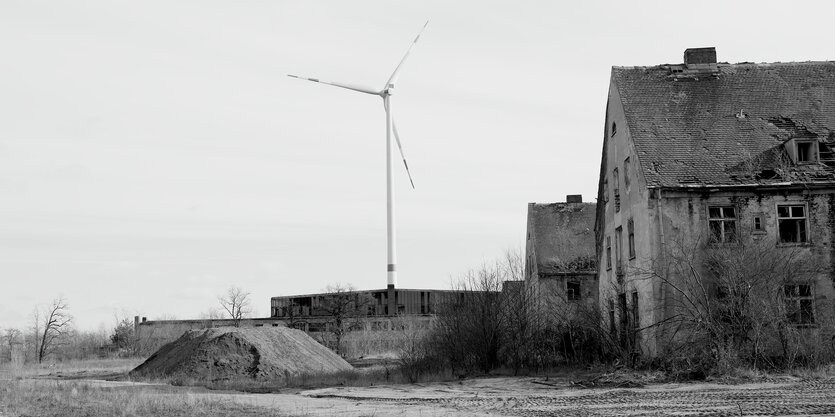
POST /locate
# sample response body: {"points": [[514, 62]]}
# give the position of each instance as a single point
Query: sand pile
{"points": [[233, 352]]}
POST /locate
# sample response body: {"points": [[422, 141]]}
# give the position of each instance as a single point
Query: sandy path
{"points": [[529, 397]]}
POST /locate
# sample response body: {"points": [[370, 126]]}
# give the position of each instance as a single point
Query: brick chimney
{"points": [[699, 56]]}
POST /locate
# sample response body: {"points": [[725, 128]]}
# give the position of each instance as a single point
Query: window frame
{"points": [[722, 220], [605, 190], [761, 229], [636, 319], [813, 155], [608, 253], [619, 269], [626, 163], [796, 299], [616, 189], [807, 236], [630, 233]]}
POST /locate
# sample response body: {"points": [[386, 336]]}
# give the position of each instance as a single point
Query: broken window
{"points": [[722, 222], [617, 189], [605, 190], [572, 291], [635, 318], [630, 225], [806, 152], [791, 222], [608, 252], [800, 308], [626, 172], [618, 250], [624, 318]]}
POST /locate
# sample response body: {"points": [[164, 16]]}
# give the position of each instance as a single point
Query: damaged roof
{"points": [[728, 126], [563, 234]]}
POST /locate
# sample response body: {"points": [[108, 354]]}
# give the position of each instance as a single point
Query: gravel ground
{"points": [[525, 397]]}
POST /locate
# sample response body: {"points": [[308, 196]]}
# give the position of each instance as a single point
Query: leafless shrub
{"points": [[737, 305]]}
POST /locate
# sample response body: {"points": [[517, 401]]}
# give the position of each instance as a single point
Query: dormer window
{"points": [[806, 152]]}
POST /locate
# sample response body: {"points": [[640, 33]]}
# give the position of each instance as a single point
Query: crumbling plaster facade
{"points": [[676, 210]]}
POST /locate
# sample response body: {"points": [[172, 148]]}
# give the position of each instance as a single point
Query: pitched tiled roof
{"points": [[727, 127], [564, 236]]}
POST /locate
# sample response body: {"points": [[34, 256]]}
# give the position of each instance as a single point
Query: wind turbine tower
{"points": [[391, 130]]}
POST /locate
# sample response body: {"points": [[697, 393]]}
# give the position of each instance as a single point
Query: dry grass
{"points": [[74, 367], [83, 398]]}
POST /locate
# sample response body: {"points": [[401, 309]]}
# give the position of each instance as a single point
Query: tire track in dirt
{"points": [[803, 398]]}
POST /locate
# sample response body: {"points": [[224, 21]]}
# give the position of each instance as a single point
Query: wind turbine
{"points": [[385, 93]]}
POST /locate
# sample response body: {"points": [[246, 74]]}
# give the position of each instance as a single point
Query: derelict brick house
{"points": [[709, 155], [560, 271]]}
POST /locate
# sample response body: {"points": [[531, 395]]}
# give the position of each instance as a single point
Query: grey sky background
{"points": [[154, 153]]}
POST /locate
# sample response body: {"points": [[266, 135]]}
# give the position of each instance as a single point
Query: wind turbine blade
{"points": [[400, 147], [361, 89], [396, 72]]}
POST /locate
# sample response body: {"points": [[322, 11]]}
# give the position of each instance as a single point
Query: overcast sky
{"points": [[153, 153]]}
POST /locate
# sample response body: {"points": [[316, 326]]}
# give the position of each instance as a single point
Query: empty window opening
{"points": [[605, 190], [572, 291], [791, 222], [623, 312], [617, 189], [800, 308], [626, 172], [806, 152], [636, 320], [614, 128], [722, 222], [608, 252], [618, 250], [631, 237]]}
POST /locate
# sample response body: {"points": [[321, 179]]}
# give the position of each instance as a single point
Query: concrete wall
{"points": [[370, 336], [151, 335]]}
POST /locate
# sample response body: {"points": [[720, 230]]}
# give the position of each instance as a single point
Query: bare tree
{"points": [[236, 303], [12, 338], [342, 306], [56, 323]]}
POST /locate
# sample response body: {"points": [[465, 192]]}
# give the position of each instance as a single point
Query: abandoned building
{"points": [[560, 262], [704, 156], [311, 312], [372, 319]]}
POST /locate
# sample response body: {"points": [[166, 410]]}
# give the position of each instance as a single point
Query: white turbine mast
{"points": [[385, 93]]}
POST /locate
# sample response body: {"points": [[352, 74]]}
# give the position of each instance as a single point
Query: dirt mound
{"points": [[233, 352]]}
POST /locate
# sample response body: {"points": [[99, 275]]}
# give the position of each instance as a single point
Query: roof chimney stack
{"points": [[700, 61], [574, 198]]}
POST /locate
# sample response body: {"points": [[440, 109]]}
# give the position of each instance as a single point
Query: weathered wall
{"points": [[685, 220], [150, 335], [370, 336], [635, 206]]}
